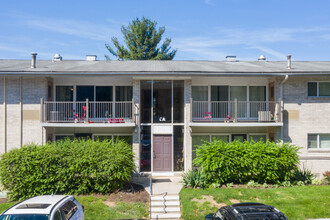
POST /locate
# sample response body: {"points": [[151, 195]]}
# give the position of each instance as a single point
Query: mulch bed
{"points": [[131, 193]]}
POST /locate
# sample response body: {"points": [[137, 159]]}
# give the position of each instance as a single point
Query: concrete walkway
{"points": [[165, 200]]}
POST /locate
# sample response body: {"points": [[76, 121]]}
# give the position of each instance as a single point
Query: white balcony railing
{"points": [[243, 111], [86, 111]]}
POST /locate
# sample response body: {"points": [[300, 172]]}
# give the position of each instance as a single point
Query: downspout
{"points": [[5, 115], [21, 112], [282, 104]]}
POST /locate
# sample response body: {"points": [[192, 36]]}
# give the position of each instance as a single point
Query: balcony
{"points": [[87, 112], [231, 112]]}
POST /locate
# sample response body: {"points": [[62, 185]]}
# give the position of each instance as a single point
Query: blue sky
{"points": [[199, 29]]}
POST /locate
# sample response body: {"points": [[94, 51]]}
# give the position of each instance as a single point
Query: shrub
{"points": [[66, 167], [300, 183], [326, 176], [286, 184], [252, 184], [194, 178], [303, 175], [316, 181], [240, 162]]}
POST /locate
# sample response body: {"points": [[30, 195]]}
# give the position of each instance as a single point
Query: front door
{"points": [[162, 155]]}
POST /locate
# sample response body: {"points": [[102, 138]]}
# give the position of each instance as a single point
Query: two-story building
{"points": [[165, 108]]}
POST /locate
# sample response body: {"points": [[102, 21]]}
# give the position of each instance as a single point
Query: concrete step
{"points": [[167, 198], [167, 209], [165, 216], [167, 203]]}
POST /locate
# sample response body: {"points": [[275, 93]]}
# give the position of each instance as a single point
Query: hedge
{"points": [[66, 167], [240, 162]]}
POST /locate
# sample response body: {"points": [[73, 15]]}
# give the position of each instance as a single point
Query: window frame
{"points": [[318, 143], [317, 89]]}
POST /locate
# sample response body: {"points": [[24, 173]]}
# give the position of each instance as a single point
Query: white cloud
{"points": [[209, 2], [262, 40]]}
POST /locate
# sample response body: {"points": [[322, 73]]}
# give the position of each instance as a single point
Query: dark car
{"points": [[244, 211]]}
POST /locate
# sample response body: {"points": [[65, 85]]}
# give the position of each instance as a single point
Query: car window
{"points": [[24, 217], [68, 209], [58, 215]]}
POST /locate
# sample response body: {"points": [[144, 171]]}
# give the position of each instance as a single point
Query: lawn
{"points": [[299, 202], [96, 209]]}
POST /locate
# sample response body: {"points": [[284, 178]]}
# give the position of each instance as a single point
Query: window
{"points": [[64, 93], [68, 209], [200, 93], [124, 93], [198, 140], [178, 148], [85, 92], [318, 89], [319, 141], [103, 93], [258, 137]]}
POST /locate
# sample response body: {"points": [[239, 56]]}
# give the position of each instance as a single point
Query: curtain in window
{"points": [[257, 98], [200, 98], [239, 93]]}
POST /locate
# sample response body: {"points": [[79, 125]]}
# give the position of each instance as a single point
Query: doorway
{"points": [[162, 153]]}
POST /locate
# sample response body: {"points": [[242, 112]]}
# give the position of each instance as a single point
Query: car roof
{"points": [[257, 211], [37, 205]]}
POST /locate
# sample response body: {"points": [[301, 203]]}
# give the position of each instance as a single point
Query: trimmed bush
{"points": [[66, 167], [241, 162]]}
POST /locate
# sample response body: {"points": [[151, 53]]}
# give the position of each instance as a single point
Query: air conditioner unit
{"points": [[264, 116]]}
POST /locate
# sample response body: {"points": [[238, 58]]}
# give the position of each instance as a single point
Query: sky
{"points": [[199, 29]]}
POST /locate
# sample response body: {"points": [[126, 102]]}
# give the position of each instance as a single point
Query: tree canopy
{"points": [[141, 38]]}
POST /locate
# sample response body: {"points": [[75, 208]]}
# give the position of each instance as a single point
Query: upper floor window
{"points": [[319, 141], [318, 89]]}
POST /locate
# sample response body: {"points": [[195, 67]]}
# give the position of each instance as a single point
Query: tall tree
{"points": [[141, 38]]}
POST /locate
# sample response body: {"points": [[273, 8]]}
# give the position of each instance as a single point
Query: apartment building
{"points": [[166, 108]]}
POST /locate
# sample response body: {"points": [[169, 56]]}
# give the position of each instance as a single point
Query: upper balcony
{"points": [[87, 113], [236, 113]]}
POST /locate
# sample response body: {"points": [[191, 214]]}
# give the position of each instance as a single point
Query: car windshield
{"points": [[24, 217]]}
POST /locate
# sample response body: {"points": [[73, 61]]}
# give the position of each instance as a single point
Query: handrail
{"points": [[86, 111], [237, 110]]}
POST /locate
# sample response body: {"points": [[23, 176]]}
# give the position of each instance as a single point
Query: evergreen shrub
{"points": [[241, 162], [66, 167]]}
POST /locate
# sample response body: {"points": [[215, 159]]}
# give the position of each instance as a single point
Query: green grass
{"points": [[295, 202], [96, 209]]}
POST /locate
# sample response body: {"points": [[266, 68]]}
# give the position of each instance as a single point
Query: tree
{"points": [[141, 38]]}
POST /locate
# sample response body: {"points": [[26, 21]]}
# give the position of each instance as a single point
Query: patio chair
{"points": [[207, 116]]}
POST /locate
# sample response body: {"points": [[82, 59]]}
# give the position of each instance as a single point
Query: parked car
{"points": [[249, 211], [48, 207]]}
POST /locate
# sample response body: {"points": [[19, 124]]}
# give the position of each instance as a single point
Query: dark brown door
{"points": [[162, 156]]}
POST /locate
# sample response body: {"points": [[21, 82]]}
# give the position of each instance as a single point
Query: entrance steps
{"points": [[165, 206]]}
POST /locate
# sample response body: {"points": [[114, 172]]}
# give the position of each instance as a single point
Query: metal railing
{"points": [[226, 111], [86, 111]]}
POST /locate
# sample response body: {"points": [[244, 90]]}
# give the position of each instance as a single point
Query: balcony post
{"points": [[280, 110], [133, 111], [191, 107], [42, 110], [235, 113], [87, 110]]}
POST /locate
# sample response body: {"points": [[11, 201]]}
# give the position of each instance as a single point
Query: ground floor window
{"points": [[178, 148], [145, 149], [321, 141], [100, 137]]}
